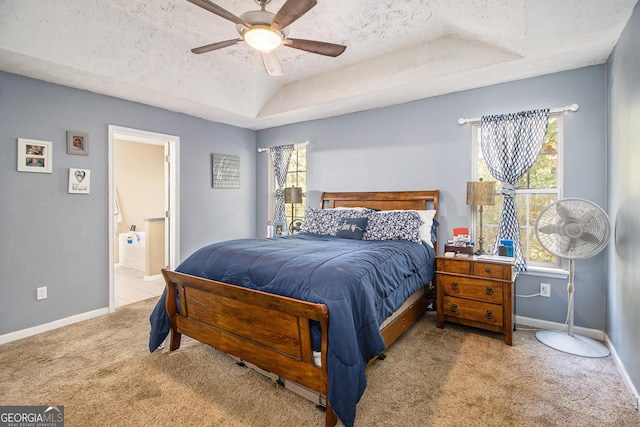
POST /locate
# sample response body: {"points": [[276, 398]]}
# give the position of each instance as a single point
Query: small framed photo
{"points": [[79, 181], [279, 229], [77, 143], [34, 155]]}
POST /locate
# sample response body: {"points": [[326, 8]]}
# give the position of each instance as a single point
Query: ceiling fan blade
{"points": [[215, 46], [321, 48], [214, 8], [271, 64], [290, 12]]}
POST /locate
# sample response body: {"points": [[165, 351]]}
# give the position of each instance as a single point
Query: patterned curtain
{"points": [[280, 156], [511, 144]]}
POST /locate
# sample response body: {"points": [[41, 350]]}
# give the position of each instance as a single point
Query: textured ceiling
{"points": [[398, 51]]}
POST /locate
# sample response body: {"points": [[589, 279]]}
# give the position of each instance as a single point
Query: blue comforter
{"points": [[362, 282]]}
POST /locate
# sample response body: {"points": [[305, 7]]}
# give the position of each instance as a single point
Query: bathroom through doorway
{"points": [[143, 177]]}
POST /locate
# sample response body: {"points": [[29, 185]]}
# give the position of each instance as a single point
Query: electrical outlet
{"points": [[41, 293], [545, 290]]}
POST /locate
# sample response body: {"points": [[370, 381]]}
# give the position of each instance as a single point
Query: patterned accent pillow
{"points": [[352, 228], [317, 221], [326, 221], [394, 225]]}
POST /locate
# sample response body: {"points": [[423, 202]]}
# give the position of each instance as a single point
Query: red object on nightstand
{"points": [[457, 231]]}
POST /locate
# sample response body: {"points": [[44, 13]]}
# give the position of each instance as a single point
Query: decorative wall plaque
{"points": [[79, 181], [225, 171]]}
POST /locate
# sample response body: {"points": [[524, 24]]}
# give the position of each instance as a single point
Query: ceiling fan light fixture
{"points": [[266, 31], [263, 38]]}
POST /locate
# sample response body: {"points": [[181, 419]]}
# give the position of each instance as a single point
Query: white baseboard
{"points": [[24, 333], [635, 397], [554, 326], [150, 278]]}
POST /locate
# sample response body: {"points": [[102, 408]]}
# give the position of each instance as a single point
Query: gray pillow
{"points": [[352, 228]]}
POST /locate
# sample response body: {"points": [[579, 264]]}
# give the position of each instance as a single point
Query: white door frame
{"points": [[172, 187]]}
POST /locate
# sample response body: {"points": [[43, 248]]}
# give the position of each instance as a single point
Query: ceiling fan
{"points": [[266, 31]]}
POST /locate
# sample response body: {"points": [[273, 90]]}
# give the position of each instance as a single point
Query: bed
{"points": [[313, 308]]}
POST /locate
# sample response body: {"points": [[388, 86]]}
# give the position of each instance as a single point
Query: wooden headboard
{"points": [[383, 200]]}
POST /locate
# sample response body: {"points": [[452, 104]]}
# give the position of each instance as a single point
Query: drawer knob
{"points": [[489, 290], [489, 314], [487, 270], [454, 307], [454, 286]]}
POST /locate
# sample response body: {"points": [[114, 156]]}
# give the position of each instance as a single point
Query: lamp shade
{"points": [[293, 195], [481, 193], [262, 38]]}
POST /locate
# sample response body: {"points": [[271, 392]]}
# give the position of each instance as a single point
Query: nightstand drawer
{"points": [[492, 270], [472, 310], [453, 265], [466, 287]]}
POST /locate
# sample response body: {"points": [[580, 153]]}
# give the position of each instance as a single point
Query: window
{"points": [[539, 187], [297, 177]]}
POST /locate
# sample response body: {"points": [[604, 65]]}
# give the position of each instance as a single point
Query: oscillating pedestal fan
{"points": [[573, 229]]}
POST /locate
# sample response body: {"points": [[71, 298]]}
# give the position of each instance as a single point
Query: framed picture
{"points": [[77, 143], [79, 181], [279, 229], [34, 155]]}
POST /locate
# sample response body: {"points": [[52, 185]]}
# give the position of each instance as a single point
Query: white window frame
{"points": [[547, 269]]}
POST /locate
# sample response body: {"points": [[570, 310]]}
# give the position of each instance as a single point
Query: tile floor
{"points": [[130, 286]]}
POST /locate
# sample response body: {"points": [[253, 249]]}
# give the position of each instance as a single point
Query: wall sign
{"points": [[225, 171], [79, 181]]}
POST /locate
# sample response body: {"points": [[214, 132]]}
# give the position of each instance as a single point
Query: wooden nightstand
{"points": [[476, 292]]}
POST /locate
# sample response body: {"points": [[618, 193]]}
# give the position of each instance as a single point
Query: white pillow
{"points": [[427, 223]]}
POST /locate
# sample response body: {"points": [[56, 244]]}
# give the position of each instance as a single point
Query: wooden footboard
{"points": [[269, 331]]}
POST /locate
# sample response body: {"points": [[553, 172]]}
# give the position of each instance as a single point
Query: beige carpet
{"points": [[103, 374]]}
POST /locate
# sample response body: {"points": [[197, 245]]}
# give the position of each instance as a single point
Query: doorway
{"points": [[143, 212]]}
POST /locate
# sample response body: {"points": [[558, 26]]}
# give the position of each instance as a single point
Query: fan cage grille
{"points": [[573, 228]]}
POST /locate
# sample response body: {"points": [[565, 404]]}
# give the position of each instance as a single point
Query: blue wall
{"points": [[60, 240], [623, 316], [420, 146]]}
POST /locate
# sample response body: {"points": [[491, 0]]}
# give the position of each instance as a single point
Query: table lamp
{"points": [[481, 193], [292, 195]]}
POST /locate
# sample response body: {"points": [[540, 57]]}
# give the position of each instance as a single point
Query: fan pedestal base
{"points": [[576, 344]]}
